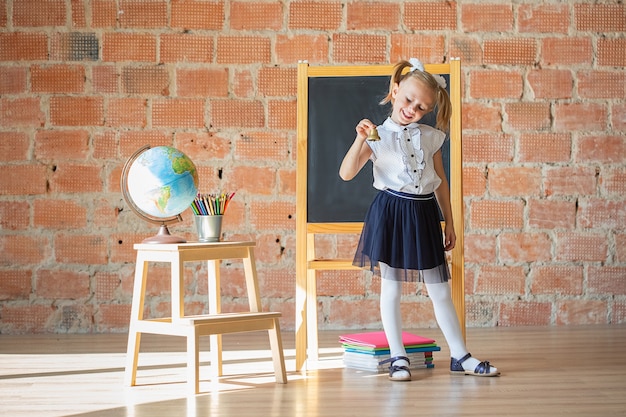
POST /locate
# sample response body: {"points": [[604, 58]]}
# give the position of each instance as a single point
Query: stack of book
{"points": [[365, 351]]}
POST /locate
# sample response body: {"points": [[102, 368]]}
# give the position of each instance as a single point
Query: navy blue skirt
{"points": [[403, 231]]}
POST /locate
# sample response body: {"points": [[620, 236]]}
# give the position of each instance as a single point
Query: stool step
{"points": [[230, 317]]}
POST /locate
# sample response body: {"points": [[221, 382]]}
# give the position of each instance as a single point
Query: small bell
{"points": [[373, 135]]}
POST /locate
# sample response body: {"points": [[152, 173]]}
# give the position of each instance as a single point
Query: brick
{"points": [[429, 49], [152, 80], [21, 112], [104, 79], [601, 148], [557, 279], [15, 284], [607, 280], [57, 79], [243, 50], [14, 216], [467, 48], [14, 146], [3, 14], [315, 15], [514, 181], [482, 116], [514, 51], [272, 215], [74, 46], [81, 249], [12, 80], [620, 246], [528, 115], [525, 313], [278, 81], [375, 15], [618, 315], [137, 47], [104, 13], [262, 180], [79, 18], [487, 148], [358, 48], [495, 84], [35, 13], [256, 15], [599, 213], [551, 214], [286, 181], [500, 280], [240, 113], [51, 145], [76, 178], [275, 283], [243, 84], [566, 51], [602, 84], [105, 145], [76, 111], [282, 114], [612, 52], [551, 84], [59, 214], [566, 181], [131, 141], [581, 312], [28, 319], [343, 313], [23, 46], [127, 112], [600, 18], [613, 181], [23, 250], [191, 14], [145, 14], [292, 48], [204, 146], [480, 249], [55, 284], [618, 117], [23, 179], [525, 247], [474, 181], [580, 247], [496, 214], [580, 116], [263, 146], [544, 147], [481, 313], [201, 82], [180, 48], [346, 283], [429, 15], [184, 113], [543, 18], [486, 17], [112, 317]]}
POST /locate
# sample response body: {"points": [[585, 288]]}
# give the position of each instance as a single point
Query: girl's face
{"points": [[412, 100]]}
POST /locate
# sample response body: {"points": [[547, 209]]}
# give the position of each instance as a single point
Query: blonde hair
{"points": [[443, 104]]}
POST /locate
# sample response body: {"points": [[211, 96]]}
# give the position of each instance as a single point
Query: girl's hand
{"points": [[363, 128], [449, 237]]}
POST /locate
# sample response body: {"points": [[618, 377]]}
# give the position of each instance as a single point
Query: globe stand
{"points": [[164, 237]]}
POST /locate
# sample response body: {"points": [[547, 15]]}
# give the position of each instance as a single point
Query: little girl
{"points": [[401, 237]]}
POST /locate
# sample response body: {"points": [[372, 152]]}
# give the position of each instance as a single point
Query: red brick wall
{"points": [[83, 84]]}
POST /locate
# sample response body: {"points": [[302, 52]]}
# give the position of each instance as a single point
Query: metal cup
{"points": [[209, 228]]}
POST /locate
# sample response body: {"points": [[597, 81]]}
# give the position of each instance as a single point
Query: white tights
{"points": [[390, 295]]}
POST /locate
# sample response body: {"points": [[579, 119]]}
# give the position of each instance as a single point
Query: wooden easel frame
{"points": [[306, 262]]}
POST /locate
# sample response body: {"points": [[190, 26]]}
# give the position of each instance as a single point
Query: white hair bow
{"points": [[416, 64]]}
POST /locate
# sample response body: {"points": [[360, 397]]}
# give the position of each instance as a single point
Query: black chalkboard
{"points": [[335, 106]]}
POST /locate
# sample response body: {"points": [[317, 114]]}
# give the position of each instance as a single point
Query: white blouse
{"points": [[403, 157]]}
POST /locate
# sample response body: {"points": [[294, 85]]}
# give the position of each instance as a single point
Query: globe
{"points": [[159, 184]]}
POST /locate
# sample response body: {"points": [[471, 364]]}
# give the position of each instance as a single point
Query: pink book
{"points": [[378, 340]]}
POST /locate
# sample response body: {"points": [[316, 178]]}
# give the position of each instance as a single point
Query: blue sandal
{"points": [[395, 368], [482, 369]]}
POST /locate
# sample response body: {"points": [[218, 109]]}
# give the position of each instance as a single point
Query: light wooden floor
{"points": [[558, 371]]}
